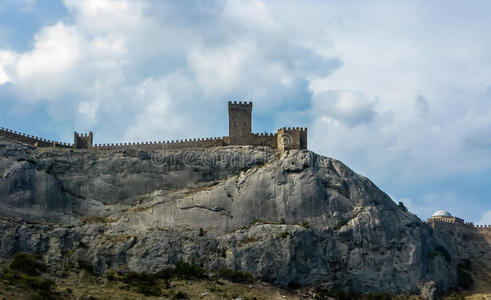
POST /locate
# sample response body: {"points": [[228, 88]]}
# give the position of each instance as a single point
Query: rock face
{"points": [[295, 217]]}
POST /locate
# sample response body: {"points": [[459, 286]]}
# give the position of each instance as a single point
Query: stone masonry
{"points": [[240, 133]]}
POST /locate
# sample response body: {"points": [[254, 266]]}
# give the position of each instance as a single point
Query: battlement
{"points": [[172, 144], [294, 128], [482, 227], [240, 133], [83, 141], [265, 134], [245, 103], [32, 140], [292, 138], [436, 223]]}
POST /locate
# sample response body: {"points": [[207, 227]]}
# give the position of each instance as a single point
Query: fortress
{"points": [[443, 219], [240, 133]]}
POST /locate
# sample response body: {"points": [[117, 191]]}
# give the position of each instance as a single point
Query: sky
{"points": [[400, 91]]}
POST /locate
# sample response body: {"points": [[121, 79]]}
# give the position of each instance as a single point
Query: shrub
{"points": [[464, 278], [294, 285], [110, 276], [223, 253], [250, 239], [402, 206], [29, 264], [284, 234], [180, 295], [85, 265], [444, 253], [35, 282], [235, 276], [146, 284], [94, 219], [43, 295], [188, 271]]}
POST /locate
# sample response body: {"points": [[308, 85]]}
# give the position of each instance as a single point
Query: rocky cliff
{"points": [[291, 218]]}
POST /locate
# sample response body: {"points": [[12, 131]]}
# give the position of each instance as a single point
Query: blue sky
{"points": [[400, 91]]}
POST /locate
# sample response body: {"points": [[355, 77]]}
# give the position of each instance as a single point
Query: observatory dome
{"points": [[442, 213]]}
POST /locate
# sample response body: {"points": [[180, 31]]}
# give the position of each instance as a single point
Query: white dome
{"points": [[442, 213]]}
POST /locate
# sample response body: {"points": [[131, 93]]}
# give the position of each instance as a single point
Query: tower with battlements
{"points": [[239, 122], [239, 126], [83, 141]]}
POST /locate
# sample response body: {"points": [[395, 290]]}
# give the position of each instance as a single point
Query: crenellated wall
{"points": [[457, 226], [240, 133], [292, 138], [32, 140], [264, 139], [170, 145]]}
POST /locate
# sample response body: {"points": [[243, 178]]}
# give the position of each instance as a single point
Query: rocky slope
{"points": [[295, 218]]}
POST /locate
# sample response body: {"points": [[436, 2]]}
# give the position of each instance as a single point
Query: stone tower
{"points": [[240, 122], [83, 141]]}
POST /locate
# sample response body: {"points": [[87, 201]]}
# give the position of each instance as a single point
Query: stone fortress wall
{"points": [[171, 145], [32, 140], [240, 133], [456, 225]]}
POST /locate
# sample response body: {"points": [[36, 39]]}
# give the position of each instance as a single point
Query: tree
{"points": [[402, 206]]}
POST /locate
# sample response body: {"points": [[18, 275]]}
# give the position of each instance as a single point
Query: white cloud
{"points": [[349, 107], [218, 69], [56, 49], [7, 59], [426, 81], [485, 218]]}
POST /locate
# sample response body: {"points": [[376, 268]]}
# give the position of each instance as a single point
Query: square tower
{"points": [[239, 122], [83, 141], [292, 138]]}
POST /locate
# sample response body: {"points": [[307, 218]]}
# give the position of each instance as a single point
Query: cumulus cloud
{"points": [[56, 49], [485, 218], [111, 49], [399, 92], [7, 59], [351, 108]]}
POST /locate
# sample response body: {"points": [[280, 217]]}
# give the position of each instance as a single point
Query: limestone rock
{"points": [[295, 217]]}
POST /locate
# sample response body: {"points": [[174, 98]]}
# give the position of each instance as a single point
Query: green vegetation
{"points": [[29, 264], [187, 271], [464, 278], [235, 276], [284, 234], [440, 250], [149, 284], [402, 206], [345, 295], [97, 219], [250, 239], [85, 265], [201, 232], [455, 297], [25, 272], [146, 284], [180, 295]]}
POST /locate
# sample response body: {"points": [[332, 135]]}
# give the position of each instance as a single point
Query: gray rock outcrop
{"points": [[295, 217]]}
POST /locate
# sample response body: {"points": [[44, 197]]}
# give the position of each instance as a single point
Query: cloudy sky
{"points": [[400, 91]]}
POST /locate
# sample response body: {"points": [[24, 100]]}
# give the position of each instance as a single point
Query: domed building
{"points": [[444, 216]]}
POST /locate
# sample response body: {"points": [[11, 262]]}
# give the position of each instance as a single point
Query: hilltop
{"points": [[292, 218]]}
